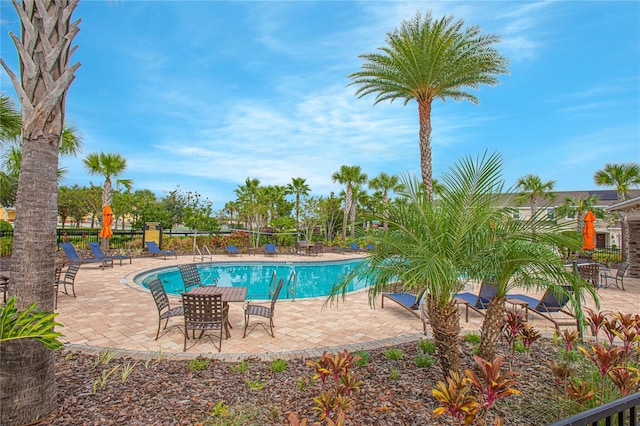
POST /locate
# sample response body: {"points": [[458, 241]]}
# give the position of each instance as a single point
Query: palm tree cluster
{"points": [[467, 234]]}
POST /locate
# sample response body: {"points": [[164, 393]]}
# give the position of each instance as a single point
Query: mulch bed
{"points": [[169, 393]]}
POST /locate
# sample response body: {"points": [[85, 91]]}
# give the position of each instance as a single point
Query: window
{"points": [[550, 214]]}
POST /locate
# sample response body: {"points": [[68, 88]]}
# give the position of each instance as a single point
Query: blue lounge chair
{"points": [[74, 257], [270, 249], [552, 302], [477, 302], [98, 253], [370, 247], [232, 250], [409, 301], [354, 247], [155, 250]]}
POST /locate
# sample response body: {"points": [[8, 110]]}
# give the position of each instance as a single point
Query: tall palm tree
{"points": [[533, 191], [429, 59], [431, 245], [107, 166], [385, 183], [27, 375], [299, 188], [623, 176], [349, 176]]}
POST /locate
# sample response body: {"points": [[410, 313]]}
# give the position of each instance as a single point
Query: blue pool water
{"points": [[314, 279]]}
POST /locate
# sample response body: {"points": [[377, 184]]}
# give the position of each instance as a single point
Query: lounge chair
{"points": [[355, 247], [477, 302], [190, 276], [370, 247], [617, 278], [270, 249], [98, 253], [550, 302], [155, 250], [252, 309], [74, 257], [69, 279], [409, 301], [232, 250], [165, 311]]}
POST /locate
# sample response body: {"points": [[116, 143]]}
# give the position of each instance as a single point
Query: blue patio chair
{"points": [[155, 250], [370, 247], [354, 247], [232, 250], [74, 257], [270, 249], [553, 301], [98, 253], [477, 302], [408, 301]]}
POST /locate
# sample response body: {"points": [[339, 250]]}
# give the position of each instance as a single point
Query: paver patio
{"points": [[112, 311]]}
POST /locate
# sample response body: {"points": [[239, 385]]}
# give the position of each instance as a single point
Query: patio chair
{"points": [[253, 309], [154, 250], [409, 301], [317, 249], [553, 301], [99, 254], [205, 312], [617, 278], [165, 311], [370, 247], [56, 284], [190, 276], [476, 302], [232, 250], [590, 272], [69, 279], [5, 263], [74, 257], [270, 249]]}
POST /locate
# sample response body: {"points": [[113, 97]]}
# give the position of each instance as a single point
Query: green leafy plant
{"points": [[424, 361], [106, 356], [28, 324], [472, 337], [302, 383], [364, 358], [278, 365], [394, 373], [519, 346], [241, 367], [159, 355], [198, 364], [393, 353], [221, 409], [255, 384], [102, 379], [427, 346], [127, 369]]}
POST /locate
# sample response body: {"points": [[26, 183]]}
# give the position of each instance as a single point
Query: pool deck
{"points": [[112, 312]]}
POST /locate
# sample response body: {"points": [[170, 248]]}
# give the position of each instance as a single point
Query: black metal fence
{"points": [[622, 412]]}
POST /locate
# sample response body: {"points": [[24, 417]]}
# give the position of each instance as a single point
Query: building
{"points": [[632, 209]]}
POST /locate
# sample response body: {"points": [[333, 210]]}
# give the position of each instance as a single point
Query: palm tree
{"points": [[430, 245], [107, 166], [299, 187], [27, 375], [429, 59], [534, 190], [578, 206], [385, 183], [349, 176], [514, 256], [623, 177]]}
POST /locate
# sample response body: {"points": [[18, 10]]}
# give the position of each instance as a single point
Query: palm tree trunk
{"points": [[492, 328], [347, 209], [424, 115], [353, 218], [445, 323]]}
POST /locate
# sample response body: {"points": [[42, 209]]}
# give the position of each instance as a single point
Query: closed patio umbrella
{"points": [[588, 232], [107, 220]]}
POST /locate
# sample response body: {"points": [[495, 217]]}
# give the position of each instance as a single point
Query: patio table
{"points": [[229, 294]]}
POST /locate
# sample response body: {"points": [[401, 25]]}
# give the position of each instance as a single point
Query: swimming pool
{"points": [[314, 279]]}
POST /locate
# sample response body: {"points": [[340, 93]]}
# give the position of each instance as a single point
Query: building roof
{"points": [[606, 197]]}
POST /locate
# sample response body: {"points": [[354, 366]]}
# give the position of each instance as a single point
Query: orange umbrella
{"points": [[107, 220], [588, 232]]}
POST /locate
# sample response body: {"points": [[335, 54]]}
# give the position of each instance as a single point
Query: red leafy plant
{"points": [[605, 359], [488, 386], [626, 379], [595, 320], [335, 371]]}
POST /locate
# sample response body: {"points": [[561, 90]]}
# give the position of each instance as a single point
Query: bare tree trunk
{"points": [[347, 209], [445, 323], [492, 328], [27, 379]]}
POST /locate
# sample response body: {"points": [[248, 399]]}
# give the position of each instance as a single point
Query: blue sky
{"points": [[205, 94]]}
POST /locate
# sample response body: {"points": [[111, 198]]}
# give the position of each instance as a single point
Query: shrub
{"points": [[427, 346], [5, 226]]}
